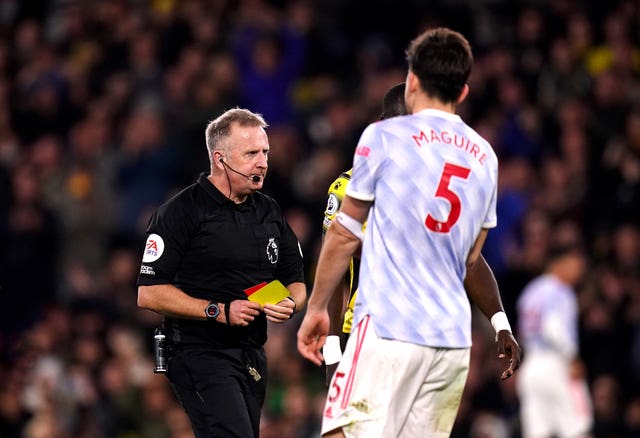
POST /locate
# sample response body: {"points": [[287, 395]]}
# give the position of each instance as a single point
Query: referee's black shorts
{"points": [[220, 396]]}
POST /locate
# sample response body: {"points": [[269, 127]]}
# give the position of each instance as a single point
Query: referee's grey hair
{"points": [[220, 128]]}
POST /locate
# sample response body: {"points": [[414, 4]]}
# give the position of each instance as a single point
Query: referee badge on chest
{"points": [[272, 250]]}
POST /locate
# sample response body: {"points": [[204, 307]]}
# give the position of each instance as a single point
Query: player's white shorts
{"points": [[385, 388], [551, 402]]}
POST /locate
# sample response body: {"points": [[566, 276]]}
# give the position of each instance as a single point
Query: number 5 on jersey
{"points": [[443, 191]]}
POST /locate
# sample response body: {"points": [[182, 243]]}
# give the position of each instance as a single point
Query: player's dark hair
{"points": [[441, 59], [560, 250], [393, 102]]}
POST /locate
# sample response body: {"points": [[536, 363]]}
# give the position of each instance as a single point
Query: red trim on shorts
{"points": [[361, 332], [579, 398]]}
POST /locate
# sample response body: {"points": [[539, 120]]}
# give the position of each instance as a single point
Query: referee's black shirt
{"points": [[211, 248]]}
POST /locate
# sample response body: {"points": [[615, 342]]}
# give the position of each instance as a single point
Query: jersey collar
{"points": [[441, 114], [212, 190]]}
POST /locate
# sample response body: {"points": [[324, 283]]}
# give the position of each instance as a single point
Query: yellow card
{"points": [[270, 293]]}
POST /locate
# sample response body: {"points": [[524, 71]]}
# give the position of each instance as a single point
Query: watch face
{"points": [[212, 311]]}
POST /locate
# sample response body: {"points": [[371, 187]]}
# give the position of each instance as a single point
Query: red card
{"points": [[255, 288]]}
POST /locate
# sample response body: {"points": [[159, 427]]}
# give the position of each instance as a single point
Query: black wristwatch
{"points": [[212, 310]]}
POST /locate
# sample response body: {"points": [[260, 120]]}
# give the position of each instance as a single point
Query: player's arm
{"points": [[342, 241], [340, 297], [482, 288], [340, 244], [332, 350], [337, 306]]}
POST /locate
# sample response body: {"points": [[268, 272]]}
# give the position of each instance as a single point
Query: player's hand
{"points": [[242, 312], [280, 312], [577, 370], [313, 334], [508, 349]]}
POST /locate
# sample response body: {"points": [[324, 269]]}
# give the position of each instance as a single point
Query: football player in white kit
{"points": [[426, 184], [554, 397]]}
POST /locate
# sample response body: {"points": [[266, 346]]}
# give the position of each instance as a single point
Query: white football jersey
{"points": [[433, 183], [548, 317]]}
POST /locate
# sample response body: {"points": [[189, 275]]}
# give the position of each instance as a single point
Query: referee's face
{"points": [[249, 150]]}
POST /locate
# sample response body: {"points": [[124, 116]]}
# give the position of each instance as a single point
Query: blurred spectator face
{"points": [[626, 246], [191, 61], [607, 90], [633, 130], [143, 50], [286, 149], [176, 85], [572, 113], [206, 94], [88, 351], [25, 186], [44, 98], [536, 235], [579, 33], [113, 377], [515, 174], [266, 55], [605, 394], [632, 415], [555, 174], [123, 267], [529, 27], [206, 31], [157, 395], [27, 38], [118, 90], [616, 29], [561, 56], [223, 71], [46, 155], [567, 233], [143, 131], [510, 93]]}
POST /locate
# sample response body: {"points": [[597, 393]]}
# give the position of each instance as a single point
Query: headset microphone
{"points": [[254, 178]]}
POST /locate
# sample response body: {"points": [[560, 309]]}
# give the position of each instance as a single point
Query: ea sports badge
{"points": [[153, 249]]}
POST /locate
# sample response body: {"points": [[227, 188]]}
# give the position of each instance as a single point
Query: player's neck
{"points": [[423, 102]]}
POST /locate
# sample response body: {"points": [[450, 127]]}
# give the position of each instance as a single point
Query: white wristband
{"points": [[350, 224], [499, 321], [331, 350]]}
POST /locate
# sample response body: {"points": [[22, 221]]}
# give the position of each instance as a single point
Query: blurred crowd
{"points": [[103, 106]]}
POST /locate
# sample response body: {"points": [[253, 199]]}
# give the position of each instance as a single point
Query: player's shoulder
{"points": [[335, 196], [484, 144], [391, 124], [390, 129]]}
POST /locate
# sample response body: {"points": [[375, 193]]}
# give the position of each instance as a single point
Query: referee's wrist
{"points": [[289, 297]]}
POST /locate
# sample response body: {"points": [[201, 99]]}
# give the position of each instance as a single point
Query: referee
{"points": [[204, 247]]}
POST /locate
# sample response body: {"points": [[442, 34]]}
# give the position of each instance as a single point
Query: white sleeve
{"points": [[367, 164], [491, 218]]}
